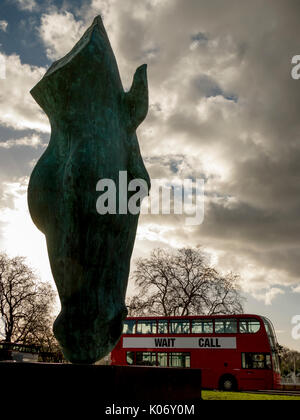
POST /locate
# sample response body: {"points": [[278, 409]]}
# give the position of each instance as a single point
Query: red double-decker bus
{"points": [[234, 352]]}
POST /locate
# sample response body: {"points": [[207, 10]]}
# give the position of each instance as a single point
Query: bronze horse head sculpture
{"points": [[93, 137]]}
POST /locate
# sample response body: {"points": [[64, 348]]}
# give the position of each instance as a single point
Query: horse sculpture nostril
{"points": [[89, 253]]}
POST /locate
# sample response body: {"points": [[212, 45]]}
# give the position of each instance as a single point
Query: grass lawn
{"points": [[218, 395]]}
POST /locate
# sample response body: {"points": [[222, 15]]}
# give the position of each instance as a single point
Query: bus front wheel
{"points": [[228, 383]]}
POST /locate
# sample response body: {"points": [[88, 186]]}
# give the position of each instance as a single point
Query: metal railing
{"points": [[290, 381]]}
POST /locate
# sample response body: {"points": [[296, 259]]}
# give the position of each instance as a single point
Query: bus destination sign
{"points": [[180, 342]]}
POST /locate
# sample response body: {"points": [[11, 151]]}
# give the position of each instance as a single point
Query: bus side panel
{"points": [[277, 381], [118, 355], [215, 364], [255, 380], [208, 379]]}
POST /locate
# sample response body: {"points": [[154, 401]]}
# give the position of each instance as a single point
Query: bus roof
{"points": [[151, 317]]}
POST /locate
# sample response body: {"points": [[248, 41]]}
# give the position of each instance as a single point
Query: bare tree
{"points": [[183, 284], [26, 305]]}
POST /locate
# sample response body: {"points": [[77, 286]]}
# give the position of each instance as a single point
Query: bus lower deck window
{"points": [[256, 361], [130, 357], [180, 360], [162, 359], [146, 358]]}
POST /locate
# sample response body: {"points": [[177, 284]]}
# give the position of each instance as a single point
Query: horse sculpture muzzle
{"points": [[93, 124]]}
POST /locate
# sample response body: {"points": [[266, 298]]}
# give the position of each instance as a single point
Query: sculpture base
{"points": [[101, 387]]}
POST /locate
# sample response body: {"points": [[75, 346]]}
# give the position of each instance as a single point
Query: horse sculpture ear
{"points": [[137, 99]]}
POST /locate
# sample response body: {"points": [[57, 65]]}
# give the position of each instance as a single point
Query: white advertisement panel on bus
{"points": [[180, 342]]}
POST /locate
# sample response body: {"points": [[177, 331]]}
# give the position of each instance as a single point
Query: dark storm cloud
{"points": [[244, 57], [204, 85]]}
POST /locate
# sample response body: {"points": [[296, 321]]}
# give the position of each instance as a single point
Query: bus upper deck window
{"points": [[270, 333], [179, 327], [163, 326], [200, 326], [249, 326], [128, 327], [146, 327], [208, 327], [254, 326], [225, 326]]}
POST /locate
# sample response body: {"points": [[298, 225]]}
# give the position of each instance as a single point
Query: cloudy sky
{"points": [[223, 108]]}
